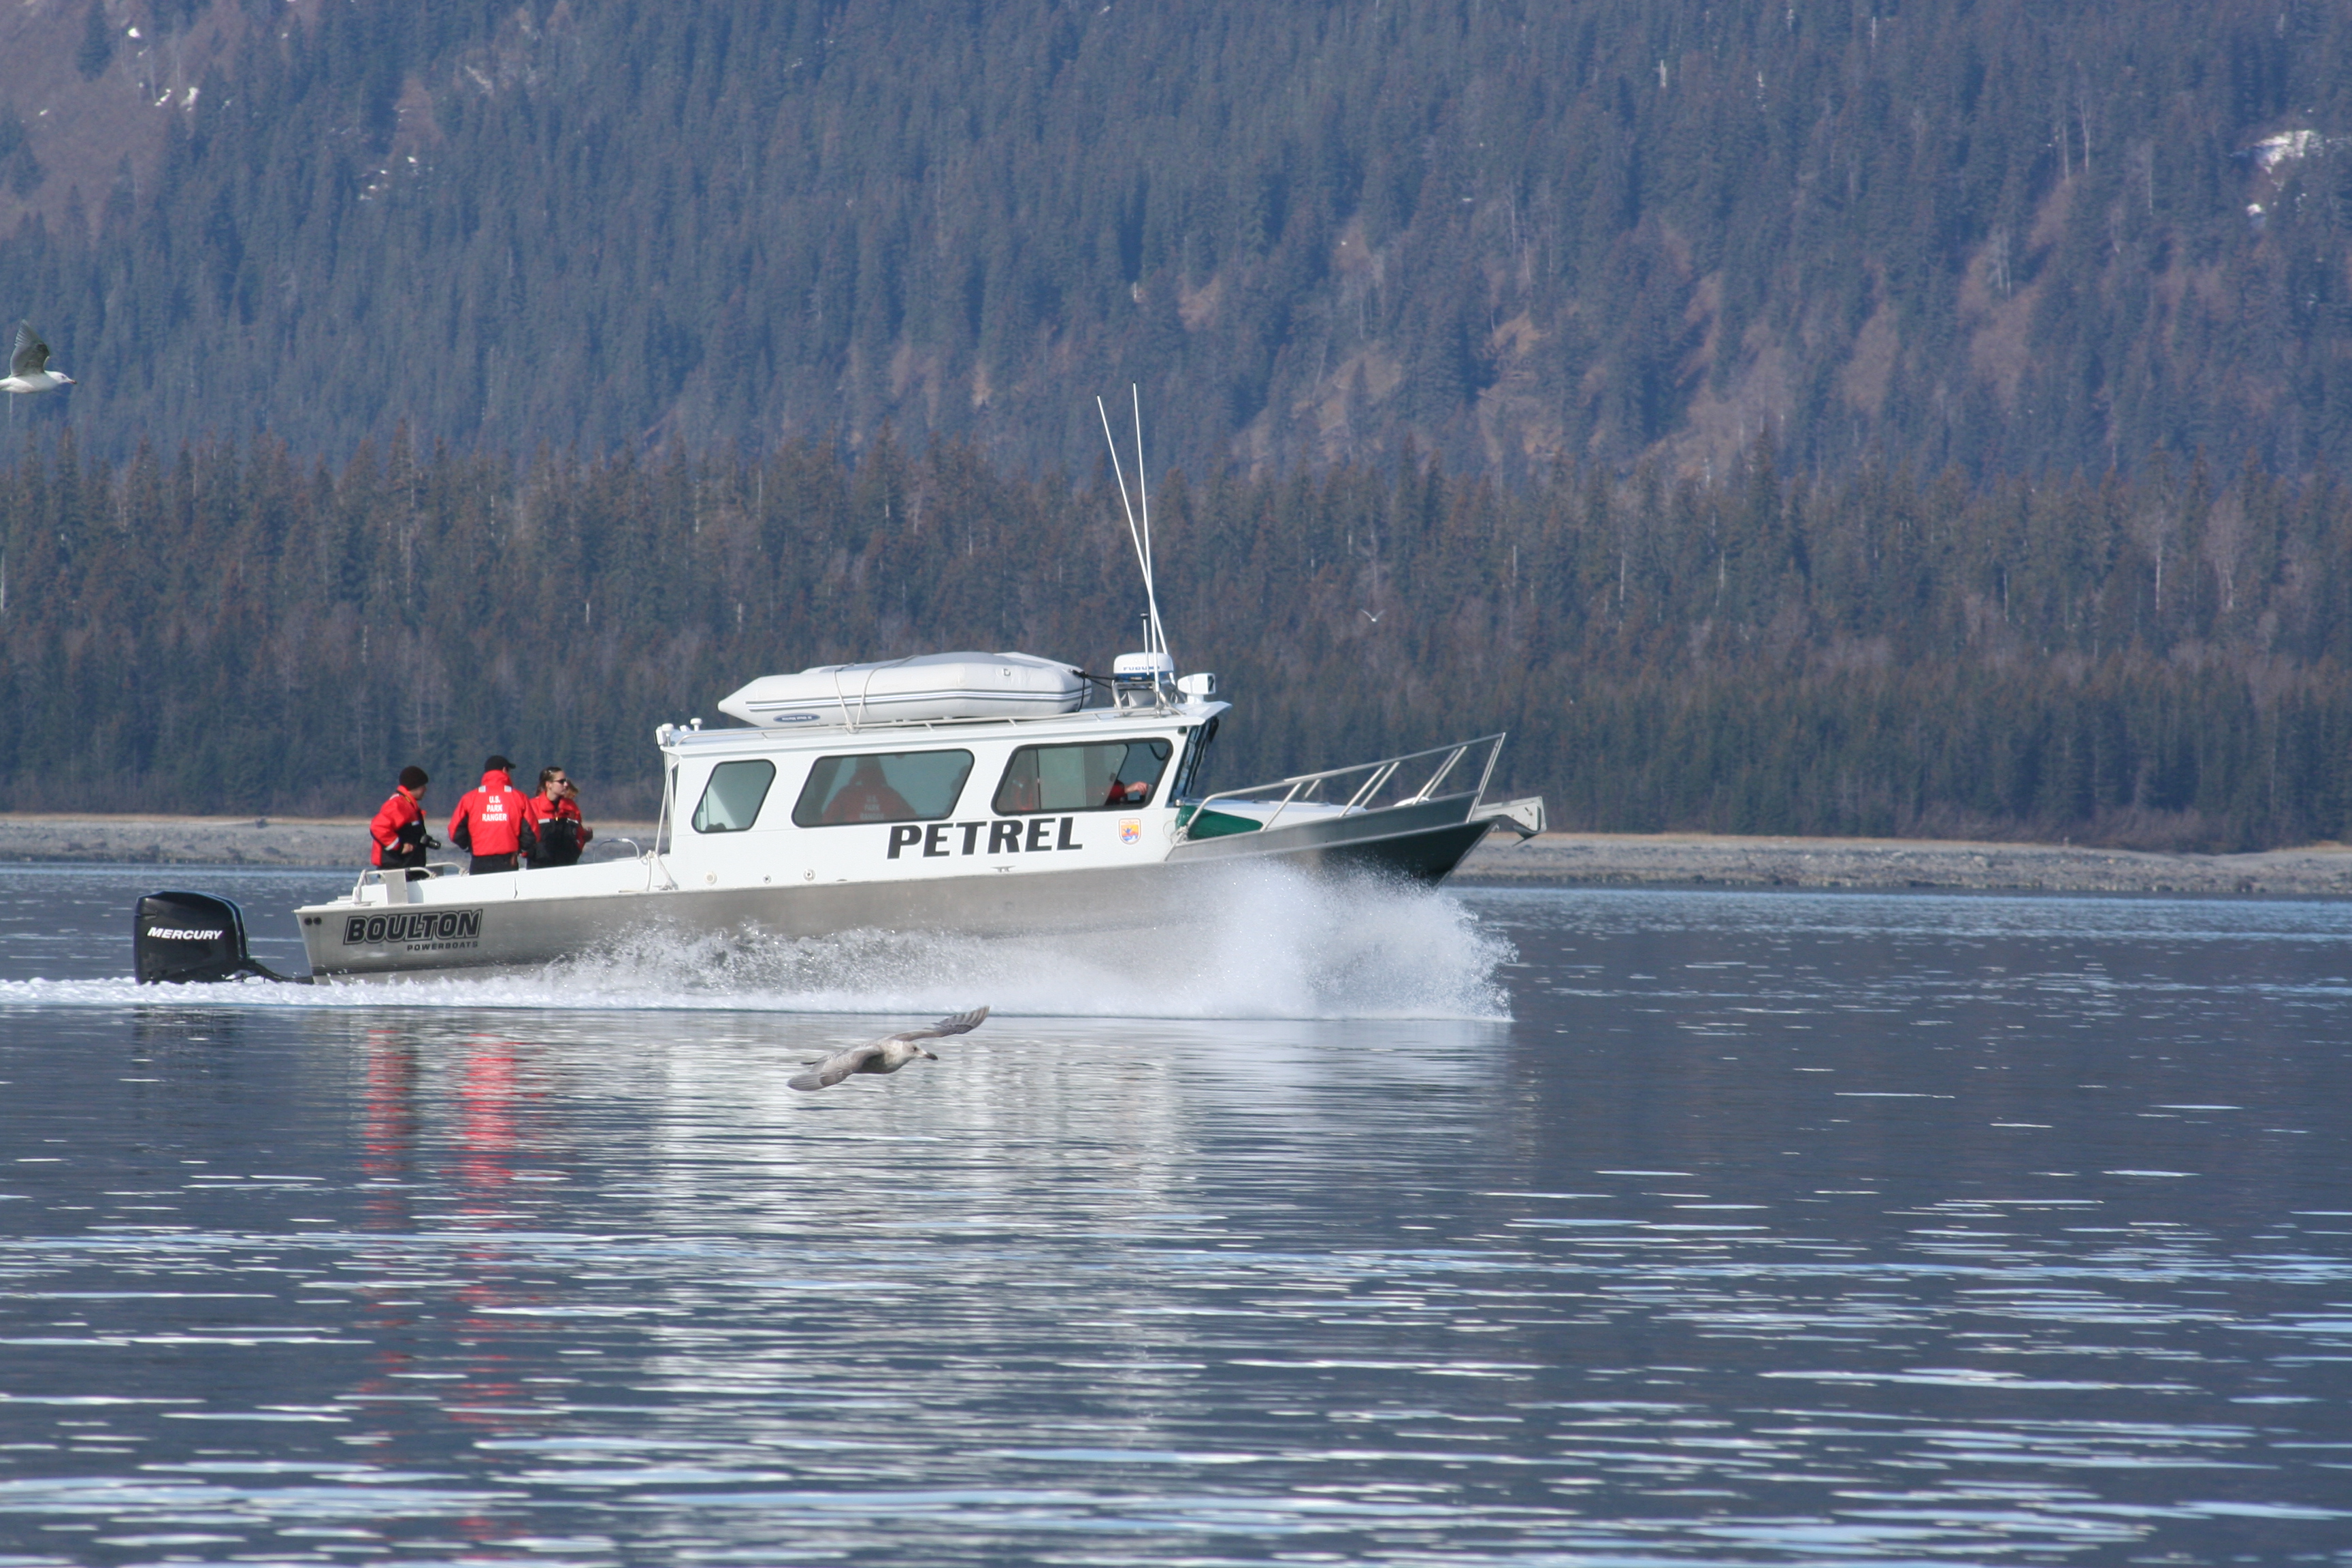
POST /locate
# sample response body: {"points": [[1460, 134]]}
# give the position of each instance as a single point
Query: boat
{"points": [[970, 792], [948, 817]]}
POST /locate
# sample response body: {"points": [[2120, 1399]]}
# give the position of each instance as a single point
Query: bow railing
{"points": [[1407, 780]]}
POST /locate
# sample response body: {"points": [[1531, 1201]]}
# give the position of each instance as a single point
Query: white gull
{"points": [[28, 364]]}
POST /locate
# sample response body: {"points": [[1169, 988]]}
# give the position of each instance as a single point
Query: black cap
{"points": [[498, 763], [414, 777]]}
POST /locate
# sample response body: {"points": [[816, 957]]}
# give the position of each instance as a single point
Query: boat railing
{"points": [[651, 860], [1407, 780], [397, 890]]}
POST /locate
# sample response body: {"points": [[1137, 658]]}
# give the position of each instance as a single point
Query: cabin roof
{"points": [[677, 739]]}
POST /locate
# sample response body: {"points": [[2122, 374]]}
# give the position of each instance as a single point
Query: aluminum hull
{"points": [[496, 923]]}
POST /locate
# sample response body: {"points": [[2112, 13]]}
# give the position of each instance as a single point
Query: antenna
{"points": [[1155, 635], [1143, 496]]}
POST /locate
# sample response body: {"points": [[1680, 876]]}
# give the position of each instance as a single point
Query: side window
{"points": [[730, 800], [882, 786], [1095, 777]]}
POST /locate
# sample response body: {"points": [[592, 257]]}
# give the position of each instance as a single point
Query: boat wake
{"points": [[1276, 945]]}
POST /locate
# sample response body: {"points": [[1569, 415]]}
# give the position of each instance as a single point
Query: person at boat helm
{"points": [[867, 797], [554, 815], [398, 830], [492, 821]]}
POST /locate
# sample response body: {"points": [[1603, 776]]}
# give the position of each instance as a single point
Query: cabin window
{"points": [[732, 800], [1101, 776], [882, 786]]}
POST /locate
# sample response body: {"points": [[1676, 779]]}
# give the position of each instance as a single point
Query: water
{"points": [[1637, 1227]]}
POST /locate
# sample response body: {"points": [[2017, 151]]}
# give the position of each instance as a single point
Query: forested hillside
{"points": [[1852, 416], [2012, 237], [2160, 660]]}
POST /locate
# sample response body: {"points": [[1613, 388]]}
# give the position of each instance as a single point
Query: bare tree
{"points": [[2157, 529], [2227, 532]]}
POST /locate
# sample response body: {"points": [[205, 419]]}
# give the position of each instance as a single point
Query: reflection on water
{"points": [[1766, 1229]]}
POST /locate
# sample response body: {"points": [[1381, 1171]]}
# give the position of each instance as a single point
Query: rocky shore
{"points": [[1597, 859], [208, 840], [1614, 859]]}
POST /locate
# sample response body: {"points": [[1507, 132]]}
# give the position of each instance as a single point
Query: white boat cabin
{"points": [[937, 799], [826, 796]]}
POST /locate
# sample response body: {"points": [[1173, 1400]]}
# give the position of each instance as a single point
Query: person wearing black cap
{"points": [[398, 830], [490, 821]]}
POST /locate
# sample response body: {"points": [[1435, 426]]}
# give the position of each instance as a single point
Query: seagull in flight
{"points": [[888, 1054], [28, 364]]}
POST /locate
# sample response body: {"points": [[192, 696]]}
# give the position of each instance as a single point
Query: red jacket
{"points": [[491, 820], [542, 811], [399, 812]]}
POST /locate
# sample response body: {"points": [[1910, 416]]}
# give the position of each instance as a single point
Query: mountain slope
{"points": [[2009, 237]]}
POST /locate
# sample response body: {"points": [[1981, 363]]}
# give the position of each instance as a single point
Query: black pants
{"points": [[413, 859], [485, 864]]}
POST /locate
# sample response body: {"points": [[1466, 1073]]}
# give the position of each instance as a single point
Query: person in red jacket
{"points": [[398, 830], [491, 821], [555, 817], [867, 797]]}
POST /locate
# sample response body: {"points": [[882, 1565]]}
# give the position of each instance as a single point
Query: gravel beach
{"points": [[210, 840], [1607, 860], [1701, 860]]}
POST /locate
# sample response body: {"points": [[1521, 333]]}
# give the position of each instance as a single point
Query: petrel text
{"points": [[1035, 835]]}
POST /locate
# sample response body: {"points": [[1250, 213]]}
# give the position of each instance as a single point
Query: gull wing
{"points": [[837, 1066], [30, 353], [956, 1024]]}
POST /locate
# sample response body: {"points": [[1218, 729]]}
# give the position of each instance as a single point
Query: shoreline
{"points": [[289, 842], [1554, 859], [1896, 865]]}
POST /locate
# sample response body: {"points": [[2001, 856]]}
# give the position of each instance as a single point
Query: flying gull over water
{"points": [[888, 1054], [28, 364]]}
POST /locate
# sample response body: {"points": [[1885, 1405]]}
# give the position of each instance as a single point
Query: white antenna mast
{"points": [[1155, 635], [1143, 495]]}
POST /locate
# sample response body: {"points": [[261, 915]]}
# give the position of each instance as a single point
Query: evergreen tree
{"points": [[95, 51]]}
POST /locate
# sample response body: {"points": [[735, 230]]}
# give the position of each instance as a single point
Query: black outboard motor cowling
{"points": [[190, 938]]}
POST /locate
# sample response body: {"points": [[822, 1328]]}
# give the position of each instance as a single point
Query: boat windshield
{"points": [[1100, 776], [1187, 772], [882, 786]]}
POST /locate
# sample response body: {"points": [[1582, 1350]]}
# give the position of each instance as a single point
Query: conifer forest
{"points": [[1843, 416], [2158, 659]]}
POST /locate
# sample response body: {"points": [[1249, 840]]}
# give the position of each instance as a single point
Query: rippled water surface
{"points": [[1634, 1227]]}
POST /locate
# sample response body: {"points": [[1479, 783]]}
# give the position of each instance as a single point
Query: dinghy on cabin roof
{"points": [[925, 688]]}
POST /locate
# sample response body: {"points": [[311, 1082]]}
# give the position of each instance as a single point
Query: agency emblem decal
{"points": [[1130, 830]]}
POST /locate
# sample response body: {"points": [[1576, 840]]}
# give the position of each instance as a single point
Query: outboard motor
{"points": [[191, 938]]}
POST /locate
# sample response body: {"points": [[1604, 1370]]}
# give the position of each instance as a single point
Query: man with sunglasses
{"points": [[554, 814]]}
